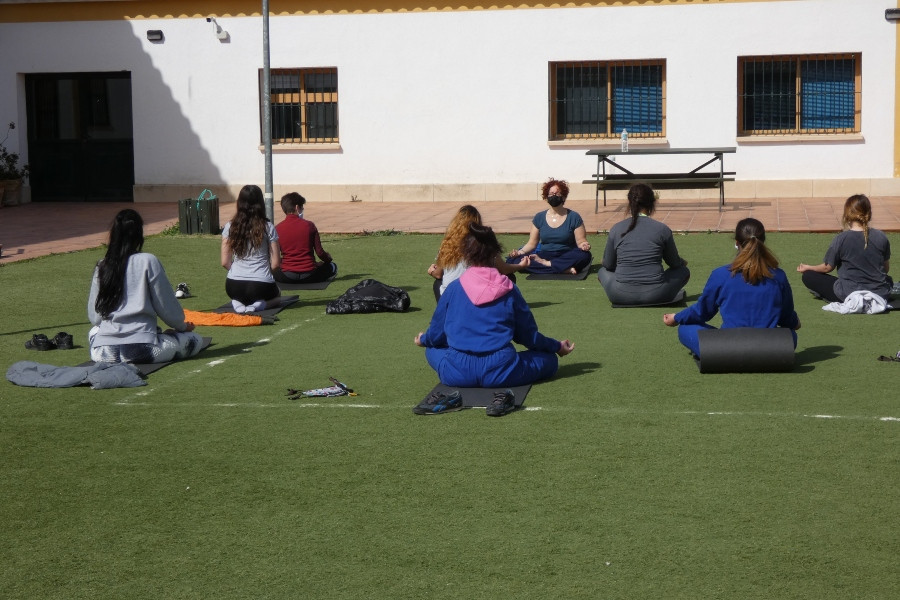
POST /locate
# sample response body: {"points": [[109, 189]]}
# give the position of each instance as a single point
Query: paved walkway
{"points": [[38, 229]]}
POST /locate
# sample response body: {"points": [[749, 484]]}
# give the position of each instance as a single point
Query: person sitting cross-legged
{"points": [[469, 341], [750, 292], [632, 272], [300, 244], [129, 292]]}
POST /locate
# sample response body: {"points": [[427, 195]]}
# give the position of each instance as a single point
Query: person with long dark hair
{"points": [[129, 292], [557, 242], [860, 253], [632, 271], [750, 292], [251, 253], [469, 341]]}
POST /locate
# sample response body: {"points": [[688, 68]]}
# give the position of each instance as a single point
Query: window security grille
{"points": [[600, 99], [304, 105], [802, 94]]}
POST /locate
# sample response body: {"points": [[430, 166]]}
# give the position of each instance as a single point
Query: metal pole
{"points": [[267, 114]]}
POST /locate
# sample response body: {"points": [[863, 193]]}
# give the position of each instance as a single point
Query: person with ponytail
{"points": [[129, 292], [632, 270], [250, 252], [860, 253], [469, 341], [557, 242], [750, 292]]}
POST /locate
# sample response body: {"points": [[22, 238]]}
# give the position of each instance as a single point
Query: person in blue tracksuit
{"points": [[750, 292], [469, 341]]}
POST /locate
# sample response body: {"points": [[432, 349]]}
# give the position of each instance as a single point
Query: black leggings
{"points": [[248, 292], [322, 272], [821, 284]]}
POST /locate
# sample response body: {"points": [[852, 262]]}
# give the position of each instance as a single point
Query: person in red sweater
{"points": [[300, 244]]}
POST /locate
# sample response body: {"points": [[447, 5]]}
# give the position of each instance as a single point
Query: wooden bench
{"points": [[624, 178]]}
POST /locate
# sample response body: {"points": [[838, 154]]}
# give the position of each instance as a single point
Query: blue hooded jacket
{"points": [[482, 312]]}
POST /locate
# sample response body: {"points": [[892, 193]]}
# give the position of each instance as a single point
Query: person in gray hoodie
{"points": [[129, 291]]}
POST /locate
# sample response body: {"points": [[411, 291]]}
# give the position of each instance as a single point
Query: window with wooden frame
{"points": [[304, 105], [817, 94], [598, 99]]}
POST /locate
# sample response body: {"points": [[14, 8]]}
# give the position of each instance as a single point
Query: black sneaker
{"points": [[437, 403], [63, 341], [182, 291], [503, 404], [40, 342]]}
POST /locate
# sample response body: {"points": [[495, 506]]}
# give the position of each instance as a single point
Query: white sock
{"points": [[239, 307], [257, 306]]}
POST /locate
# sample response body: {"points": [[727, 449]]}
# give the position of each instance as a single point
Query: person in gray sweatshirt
{"points": [[632, 272], [129, 292]]}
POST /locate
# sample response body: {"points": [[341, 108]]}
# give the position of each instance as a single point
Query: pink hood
{"points": [[485, 284]]}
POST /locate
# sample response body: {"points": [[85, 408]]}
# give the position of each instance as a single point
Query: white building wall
{"points": [[450, 98]]}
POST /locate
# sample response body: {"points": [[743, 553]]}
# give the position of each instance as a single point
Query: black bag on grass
{"points": [[369, 296]]}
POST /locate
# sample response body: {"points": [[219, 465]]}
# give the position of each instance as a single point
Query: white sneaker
{"points": [[182, 291]]}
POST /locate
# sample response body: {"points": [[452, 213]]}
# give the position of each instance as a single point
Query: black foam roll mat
{"points": [[746, 350]]}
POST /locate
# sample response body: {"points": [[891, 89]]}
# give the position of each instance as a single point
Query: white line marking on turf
{"points": [[801, 415], [213, 363], [250, 405], [291, 404]]}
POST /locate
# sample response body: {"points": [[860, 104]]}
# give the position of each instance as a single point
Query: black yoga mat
{"points": [[148, 368], [580, 275], [482, 397], [746, 350], [319, 285], [679, 297], [273, 306]]}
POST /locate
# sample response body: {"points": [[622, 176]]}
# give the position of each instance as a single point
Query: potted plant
{"points": [[11, 173]]}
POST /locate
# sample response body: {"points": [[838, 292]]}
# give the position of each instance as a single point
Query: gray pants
{"points": [[168, 347], [674, 280]]}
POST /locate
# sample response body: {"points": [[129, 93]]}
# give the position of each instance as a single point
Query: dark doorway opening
{"points": [[80, 137]]}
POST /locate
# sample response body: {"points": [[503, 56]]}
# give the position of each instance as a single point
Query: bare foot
{"points": [[539, 260]]}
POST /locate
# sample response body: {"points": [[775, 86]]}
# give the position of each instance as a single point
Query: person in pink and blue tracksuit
{"points": [[469, 342]]}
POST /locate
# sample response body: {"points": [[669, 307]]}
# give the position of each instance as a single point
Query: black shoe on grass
{"points": [[438, 403], [63, 341], [40, 342], [503, 404]]}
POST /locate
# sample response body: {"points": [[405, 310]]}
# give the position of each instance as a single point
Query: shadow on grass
{"points": [[576, 369], [47, 329], [534, 305], [806, 358]]}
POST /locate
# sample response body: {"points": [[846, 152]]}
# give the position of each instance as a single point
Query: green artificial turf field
{"points": [[629, 475]]}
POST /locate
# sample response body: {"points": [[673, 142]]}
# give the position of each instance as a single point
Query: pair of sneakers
{"points": [[182, 290], [40, 342], [437, 403], [241, 308]]}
